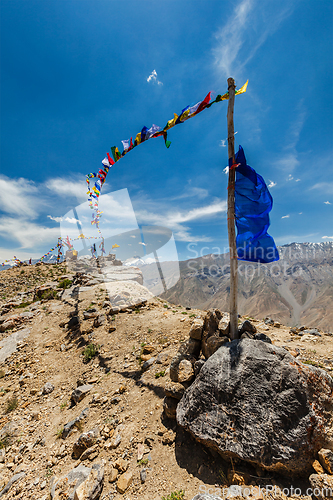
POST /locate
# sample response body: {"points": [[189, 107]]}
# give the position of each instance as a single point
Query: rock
{"points": [[189, 350], [90, 314], [84, 441], [73, 322], [9, 324], [168, 437], [237, 478], [326, 459], [80, 392], [269, 413], [100, 320], [190, 347], [147, 364], [247, 335], [121, 465], [224, 327], [114, 442], [143, 475], [211, 327], [174, 390], [48, 388], [14, 479], [262, 337], [162, 358], [69, 427], [322, 486], [10, 344], [213, 343], [113, 474], [246, 326], [312, 331], [81, 483], [90, 453], [2, 456], [269, 321], [169, 407], [148, 349], [46, 291], [198, 365], [211, 321], [196, 329], [185, 371], [318, 467], [124, 481], [145, 357]]}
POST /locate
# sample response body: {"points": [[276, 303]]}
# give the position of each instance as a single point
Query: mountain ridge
{"points": [[297, 289]]}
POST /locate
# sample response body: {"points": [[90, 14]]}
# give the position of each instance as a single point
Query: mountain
{"points": [[296, 290]]}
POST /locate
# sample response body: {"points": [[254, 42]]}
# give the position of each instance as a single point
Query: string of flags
{"points": [[61, 243], [188, 112], [15, 259]]}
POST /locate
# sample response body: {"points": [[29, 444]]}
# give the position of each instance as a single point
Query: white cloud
{"points": [[174, 219], [71, 220], [65, 187], [190, 192], [271, 184], [56, 219], [26, 233], [244, 33], [140, 243], [226, 170], [19, 197], [184, 235], [223, 143], [153, 78], [327, 237], [133, 236], [297, 180], [327, 203], [326, 187], [289, 160], [300, 213], [230, 38], [285, 217]]}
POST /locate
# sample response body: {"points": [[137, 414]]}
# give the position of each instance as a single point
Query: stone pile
{"points": [[206, 336]]}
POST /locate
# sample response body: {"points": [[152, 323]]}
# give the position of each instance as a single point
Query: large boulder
{"points": [[254, 401]]}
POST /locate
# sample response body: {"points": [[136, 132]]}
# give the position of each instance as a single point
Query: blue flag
{"points": [[253, 202]]}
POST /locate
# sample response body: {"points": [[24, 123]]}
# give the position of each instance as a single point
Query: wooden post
{"points": [[231, 215]]}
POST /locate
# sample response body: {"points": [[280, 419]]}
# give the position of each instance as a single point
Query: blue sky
{"points": [[77, 77]]}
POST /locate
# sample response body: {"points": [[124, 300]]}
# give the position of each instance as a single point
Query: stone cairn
{"points": [[206, 336]]}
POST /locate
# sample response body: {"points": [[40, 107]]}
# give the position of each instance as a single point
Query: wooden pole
{"points": [[231, 214]]}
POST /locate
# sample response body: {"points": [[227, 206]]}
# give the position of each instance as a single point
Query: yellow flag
{"points": [[115, 246], [171, 123], [242, 90]]}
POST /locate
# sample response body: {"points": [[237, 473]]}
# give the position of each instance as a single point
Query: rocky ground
{"points": [[82, 384]]}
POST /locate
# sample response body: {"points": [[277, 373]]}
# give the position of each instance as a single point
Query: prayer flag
{"points": [[253, 202]]}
